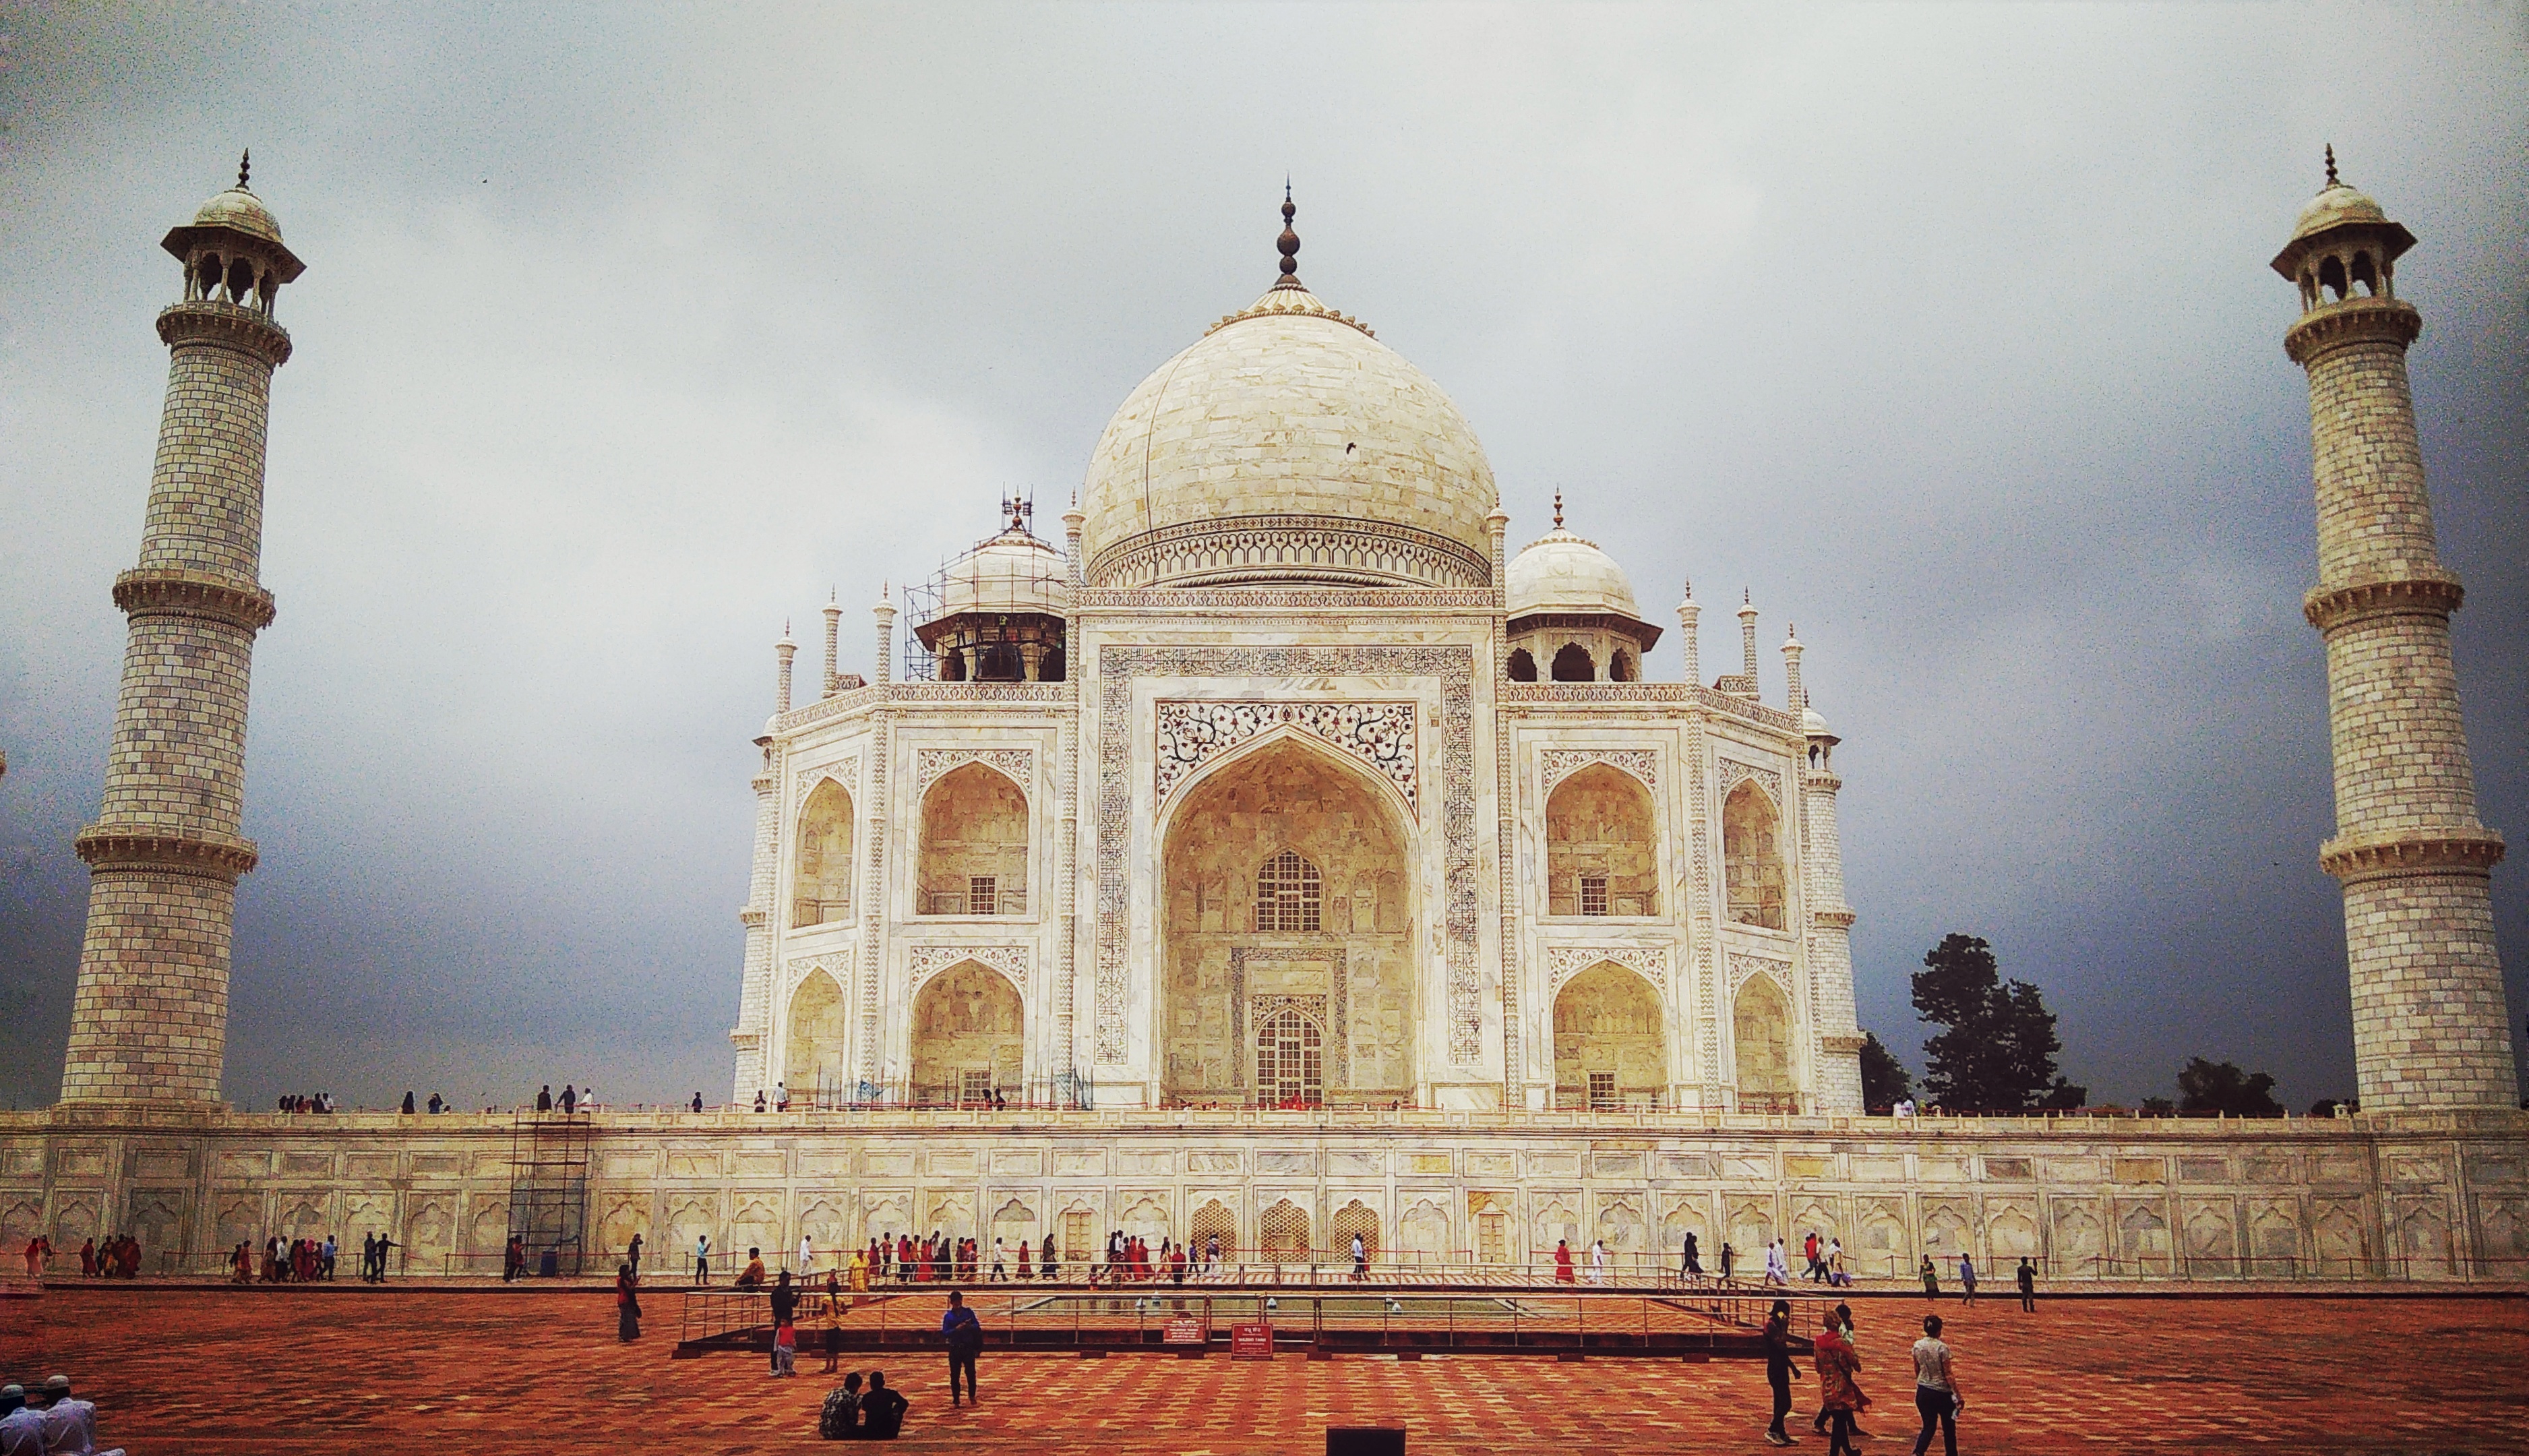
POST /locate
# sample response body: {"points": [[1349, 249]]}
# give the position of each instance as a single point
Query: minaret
{"points": [[1829, 941], [150, 1021], [885, 612], [2430, 1026], [833, 634], [1688, 612]]}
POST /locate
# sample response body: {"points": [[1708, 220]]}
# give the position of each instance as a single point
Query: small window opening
{"points": [[1522, 668], [1001, 664], [1620, 667], [2363, 275], [2331, 277], [1290, 895], [983, 892], [1602, 1092], [1575, 665], [1593, 895], [975, 1088]]}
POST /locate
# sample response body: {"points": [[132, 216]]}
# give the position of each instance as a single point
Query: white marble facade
{"points": [[1284, 635]]}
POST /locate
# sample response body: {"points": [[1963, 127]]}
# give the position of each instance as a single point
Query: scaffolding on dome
{"points": [[1002, 584]]}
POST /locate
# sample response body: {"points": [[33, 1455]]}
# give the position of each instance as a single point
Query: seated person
{"points": [[753, 1278], [70, 1425], [839, 1420], [882, 1410], [22, 1425]]}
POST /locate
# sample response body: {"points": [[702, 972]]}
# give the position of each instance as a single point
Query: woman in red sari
{"points": [[1562, 1262]]}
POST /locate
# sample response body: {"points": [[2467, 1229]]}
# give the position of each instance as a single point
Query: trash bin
{"points": [[549, 1265]]}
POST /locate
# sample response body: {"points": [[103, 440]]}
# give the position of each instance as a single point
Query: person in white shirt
{"points": [[22, 1425], [70, 1425], [1598, 1261], [807, 1257], [1778, 1264], [1937, 1395]]}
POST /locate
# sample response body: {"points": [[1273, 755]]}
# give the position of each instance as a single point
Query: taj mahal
{"points": [[1290, 852]]}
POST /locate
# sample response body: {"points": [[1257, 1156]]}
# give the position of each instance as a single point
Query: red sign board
{"points": [[1251, 1343], [1184, 1329]]}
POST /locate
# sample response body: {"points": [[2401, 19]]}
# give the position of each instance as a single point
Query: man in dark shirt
{"points": [[964, 1336], [1779, 1370], [2027, 1287], [785, 1303], [882, 1410]]}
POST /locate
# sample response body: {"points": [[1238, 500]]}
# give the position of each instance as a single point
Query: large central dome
{"points": [[1288, 444]]}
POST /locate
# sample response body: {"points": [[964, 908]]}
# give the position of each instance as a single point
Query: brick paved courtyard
{"points": [[348, 1369]]}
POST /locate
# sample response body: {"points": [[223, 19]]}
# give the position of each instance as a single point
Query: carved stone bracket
{"points": [[1729, 773], [173, 592], [107, 847], [795, 970], [1018, 763], [1563, 962], [922, 962], [1194, 731], [1555, 765], [2423, 596], [846, 772], [2390, 854], [1744, 966]]}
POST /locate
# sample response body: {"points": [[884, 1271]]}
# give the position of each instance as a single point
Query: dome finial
{"points": [[1558, 511], [1288, 242], [2331, 164], [246, 159]]}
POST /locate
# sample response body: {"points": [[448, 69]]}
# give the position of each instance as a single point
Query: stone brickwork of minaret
{"points": [[2430, 1025], [1829, 932], [149, 1019]]}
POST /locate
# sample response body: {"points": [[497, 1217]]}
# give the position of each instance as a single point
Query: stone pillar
{"points": [[149, 1017], [755, 976], [1687, 614], [833, 636], [1073, 520], [782, 652], [1794, 698], [1830, 919], [885, 612], [1747, 645], [2430, 1024]]}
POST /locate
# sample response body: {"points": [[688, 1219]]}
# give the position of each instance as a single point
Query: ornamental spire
{"points": [[1558, 511], [246, 159], [1288, 244], [2331, 164]]}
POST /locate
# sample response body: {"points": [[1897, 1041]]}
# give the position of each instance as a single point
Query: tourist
{"points": [[1837, 1365], [1211, 1255], [242, 1263], [1967, 1278], [964, 1336], [1360, 1259], [1835, 1278], [1050, 1268], [785, 1347], [759, 1099], [2027, 1287], [807, 1256], [1931, 1278], [384, 1244], [569, 1099], [1843, 1317], [1779, 1370], [752, 1276], [1562, 1262], [437, 1105], [544, 1098], [87, 1259], [1936, 1389], [628, 1303], [22, 1425], [785, 1304], [1729, 1259], [70, 1425], [1689, 1264], [325, 1261], [1816, 1268], [513, 1259], [781, 1096], [999, 1274], [859, 1272], [702, 1260], [698, 1102], [1177, 1262], [839, 1417], [1023, 1261], [882, 1410], [408, 1101], [632, 1253], [1778, 1264]]}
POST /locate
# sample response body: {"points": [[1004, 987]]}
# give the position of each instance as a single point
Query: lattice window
{"points": [[1078, 1240], [1290, 1062], [975, 1087], [980, 894], [1214, 1222], [1290, 893], [1602, 1092], [1593, 895], [1286, 1233]]}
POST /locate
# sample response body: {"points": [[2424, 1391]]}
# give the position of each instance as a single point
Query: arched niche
{"points": [[1623, 667], [1283, 1231], [1761, 1022], [1285, 885], [1573, 663], [1752, 855], [1602, 847], [1610, 1043], [1522, 667], [813, 1041], [821, 870], [969, 1036], [974, 858]]}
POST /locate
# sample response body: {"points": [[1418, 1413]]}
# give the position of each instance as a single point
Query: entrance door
{"points": [[1290, 1062]]}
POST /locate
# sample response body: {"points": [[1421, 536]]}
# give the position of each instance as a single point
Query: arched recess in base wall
{"points": [[813, 1049], [969, 1035], [1354, 1219], [1283, 1231], [1762, 1032]]}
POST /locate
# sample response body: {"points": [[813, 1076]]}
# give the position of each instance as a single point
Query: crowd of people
{"points": [[307, 1101], [118, 1257], [48, 1421], [1939, 1397]]}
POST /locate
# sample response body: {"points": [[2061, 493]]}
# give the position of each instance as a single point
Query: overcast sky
{"points": [[626, 333]]}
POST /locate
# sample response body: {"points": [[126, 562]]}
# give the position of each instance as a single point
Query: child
{"points": [[785, 1348]]}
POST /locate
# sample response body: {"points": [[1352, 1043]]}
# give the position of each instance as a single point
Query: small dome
{"points": [[1560, 572], [243, 211], [1812, 726], [2335, 205], [1013, 571]]}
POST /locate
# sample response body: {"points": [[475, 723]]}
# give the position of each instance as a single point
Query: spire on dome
{"points": [[1288, 244], [246, 158], [1558, 511], [2331, 164]]}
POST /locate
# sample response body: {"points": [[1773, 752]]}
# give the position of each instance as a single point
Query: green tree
{"points": [[1885, 1082], [1996, 1049], [2220, 1087]]}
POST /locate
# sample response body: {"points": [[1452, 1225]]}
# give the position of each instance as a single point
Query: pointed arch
{"points": [[969, 1035], [974, 853], [1601, 845], [1574, 664], [811, 1044], [1752, 855], [1214, 1221], [821, 866], [1522, 667], [1761, 1036], [1610, 1040], [1283, 1231], [1354, 1219]]}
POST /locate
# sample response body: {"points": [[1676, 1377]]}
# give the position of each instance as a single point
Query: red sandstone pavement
{"points": [[289, 1372]]}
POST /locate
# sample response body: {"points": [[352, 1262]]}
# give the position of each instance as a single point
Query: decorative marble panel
{"points": [[926, 961], [1193, 733], [1555, 765], [846, 772], [1019, 764], [1563, 962]]}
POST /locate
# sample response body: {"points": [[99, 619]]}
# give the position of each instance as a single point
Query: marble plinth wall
{"points": [[2426, 1196]]}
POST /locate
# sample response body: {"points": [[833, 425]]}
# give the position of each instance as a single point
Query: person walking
{"points": [[702, 1260], [1966, 1280], [964, 1336], [628, 1303], [1839, 1390], [1778, 1264], [807, 1256], [1563, 1262], [1598, 1261], [632, 1254], [1931, 1278], [1780, 1372], [1729, 1261], [1360, 1259], [1936, 1389], [1690, 1265], [2027, 1287]]}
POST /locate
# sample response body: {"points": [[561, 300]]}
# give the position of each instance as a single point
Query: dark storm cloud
{"points": [[627, 334]]}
